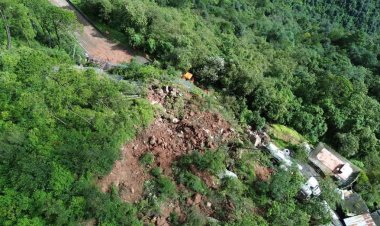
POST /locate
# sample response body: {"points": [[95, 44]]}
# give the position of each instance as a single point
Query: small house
{"points": [[330, 163], [360, 220], [376, 217], [353, 204]]}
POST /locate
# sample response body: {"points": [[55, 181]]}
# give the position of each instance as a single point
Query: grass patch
{"points": [[283, 135]]}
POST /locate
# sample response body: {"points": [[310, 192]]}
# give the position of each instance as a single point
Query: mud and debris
{"points": [[166, 209], [263, 173], [258, 138], [178, 131], [201, 203], [206, 177], [127, 175]]}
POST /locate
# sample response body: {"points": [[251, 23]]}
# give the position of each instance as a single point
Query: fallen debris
{"points": [[263, 173], [227, 173], [127, 175], [167, 138], [258, 138]]}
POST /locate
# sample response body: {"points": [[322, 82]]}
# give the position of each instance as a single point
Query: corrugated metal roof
{"points": [[360, 220], [376, 217], [332, 163], [353, 205]]}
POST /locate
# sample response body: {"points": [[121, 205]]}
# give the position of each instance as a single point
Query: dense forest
{"points": [[312, 65], [59, 124]]}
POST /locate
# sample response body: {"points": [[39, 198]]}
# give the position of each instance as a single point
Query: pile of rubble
{"points": [[171, 136], [167, 138], [258, 138]]}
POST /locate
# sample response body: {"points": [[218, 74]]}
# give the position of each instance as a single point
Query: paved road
{"points": [[95, 44]]}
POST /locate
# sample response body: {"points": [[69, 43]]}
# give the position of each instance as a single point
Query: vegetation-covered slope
{"points": [[59, 125], [312, 65]]}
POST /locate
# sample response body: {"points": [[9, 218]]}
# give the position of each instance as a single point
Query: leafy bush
{"points": [[166, 187], [161, 186], [60, 122], [249, 219], [233, 188], [252, 118], [212, 161], [285, 185], [299, 153], [195, 217], [147, 159], [192, 182]]}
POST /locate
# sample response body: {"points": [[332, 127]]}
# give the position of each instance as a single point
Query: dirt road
{"points": [[95, 44]]}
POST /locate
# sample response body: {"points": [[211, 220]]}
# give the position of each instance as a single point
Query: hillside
{"points": [[310, 65], [110, 141]]}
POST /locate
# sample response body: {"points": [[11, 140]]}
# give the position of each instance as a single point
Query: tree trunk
{"points": [[6, 29]]}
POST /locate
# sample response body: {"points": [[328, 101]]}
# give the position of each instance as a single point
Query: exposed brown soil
{"points": [[200, 202], [128, 175], [263, 173], [167, 138], [165, 211], [98, 47], [206, 177]]}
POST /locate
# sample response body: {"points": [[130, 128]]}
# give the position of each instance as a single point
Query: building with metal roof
{"points": [[353, 204], [330, 163], [376, 217], [360, 220]]}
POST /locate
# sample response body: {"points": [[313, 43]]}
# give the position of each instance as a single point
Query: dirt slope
{"points": [[167, 139], [96, 45]]}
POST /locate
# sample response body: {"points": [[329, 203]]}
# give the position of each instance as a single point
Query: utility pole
{"points": [[6, 29]]}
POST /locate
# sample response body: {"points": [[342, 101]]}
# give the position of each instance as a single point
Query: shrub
{"points": [[162, 186], [165, 187], [212, 161], [147, 159], [174, 218], [233, 188], [300, 153], [249, 219], [192, 182], [195, 217], [156, 172]]}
